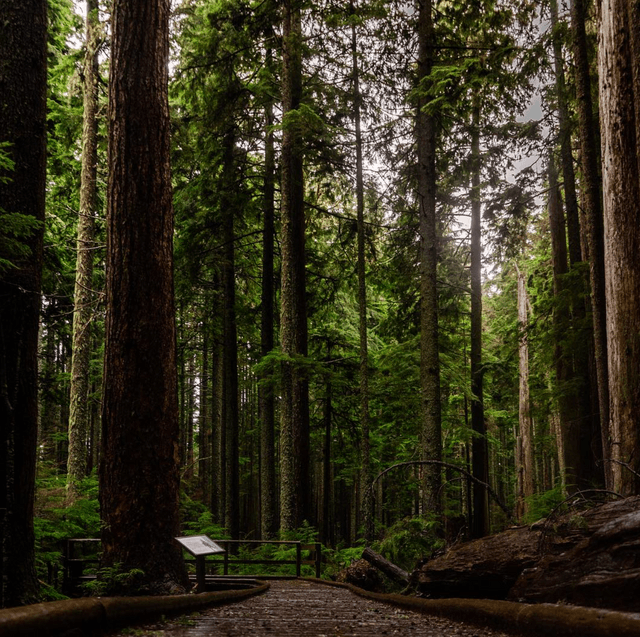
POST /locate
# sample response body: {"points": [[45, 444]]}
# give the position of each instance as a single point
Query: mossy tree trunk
{"points": [[23, 85], [429, 354], [294, 410], [80, 409], [619, 73], [139, 469]]}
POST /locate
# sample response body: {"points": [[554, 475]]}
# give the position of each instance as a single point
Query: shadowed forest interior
{"points": [[359, 273]]}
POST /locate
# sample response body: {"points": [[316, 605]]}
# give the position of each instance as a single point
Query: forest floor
{"points": [[302, 608]]}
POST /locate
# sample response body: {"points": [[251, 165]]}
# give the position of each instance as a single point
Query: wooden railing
{"points": [[228, 559], [75, 561]]}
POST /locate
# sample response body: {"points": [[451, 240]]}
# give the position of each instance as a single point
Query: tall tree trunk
{"points": [[570, 422], [589, 145], [365, 443], [564, 121], [431, 445], [189, 383], [139, 472], [268, 517], [328, 533], [480, 453], [23, 85], [524, 462], [586, 426], [294, 423], [587, 423], [79, 416], [619, 73], [217, 421], [230, 350], [205, 450]]}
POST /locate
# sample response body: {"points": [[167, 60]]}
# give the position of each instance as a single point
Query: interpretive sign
{"points": [[199, 545]]}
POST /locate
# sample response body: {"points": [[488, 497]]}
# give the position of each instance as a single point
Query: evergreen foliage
{"points": [[226, 70]]}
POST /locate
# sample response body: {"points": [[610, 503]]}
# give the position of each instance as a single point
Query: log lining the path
{"points": [[90, 613]]}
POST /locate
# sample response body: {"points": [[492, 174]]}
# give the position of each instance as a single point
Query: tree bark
{"points": [[230, 348], [23, 84], [365, 443], [205, 447], [431, 445], [139, 478], [328, 533], [575, 443], [294, 423], [564, 121], [480, 453], [384, 565], [266, 398], [619, 76], [592, 198], [524, 462], [79, 417], [586, 423], [217, 424]]}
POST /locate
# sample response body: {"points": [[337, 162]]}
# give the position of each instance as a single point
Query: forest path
{"points": [[304, 609]]}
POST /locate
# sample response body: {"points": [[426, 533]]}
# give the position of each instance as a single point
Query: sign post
{"points": [[200, 546]]}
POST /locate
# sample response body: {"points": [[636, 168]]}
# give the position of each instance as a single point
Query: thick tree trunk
{"points": [[365, 443], [431, 445], [139, 479], [79, 417], [268, 517], [576, 438], [592, 198], [480, 452], [294, 422], [586, 425], [619, 73], [23, 84]]}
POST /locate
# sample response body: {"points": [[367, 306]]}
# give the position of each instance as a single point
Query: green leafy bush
{"points": [[409, 540], [54, 522], [542, 504], [114, 581]]}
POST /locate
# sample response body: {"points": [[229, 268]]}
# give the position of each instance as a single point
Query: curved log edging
{"points": [[534, 619], [51, 618]]}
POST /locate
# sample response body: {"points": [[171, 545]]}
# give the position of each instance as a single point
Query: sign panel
{"points": [[199, 545]]}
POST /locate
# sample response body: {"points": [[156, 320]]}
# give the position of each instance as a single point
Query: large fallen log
{"points": [[485, 568], [385, 566], [605, 572], [601, 571]]}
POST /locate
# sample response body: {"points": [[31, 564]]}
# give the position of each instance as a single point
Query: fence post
{"points": [[318, 559], [298, 559]]}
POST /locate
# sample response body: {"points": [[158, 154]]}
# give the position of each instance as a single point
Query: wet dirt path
{"points": [[301, 608]]}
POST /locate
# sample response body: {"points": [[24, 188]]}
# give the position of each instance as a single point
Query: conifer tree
{"points": [[23, 85], [294, 409], [79, 417], [139, 479], [431, 446], [618, 64]]}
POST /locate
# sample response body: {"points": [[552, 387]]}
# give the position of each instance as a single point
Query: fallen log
{"points": [[388, 568], [587, 557], [601, 571]]}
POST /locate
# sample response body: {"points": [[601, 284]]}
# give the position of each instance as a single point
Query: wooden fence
{"points": [[76, 559]]}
